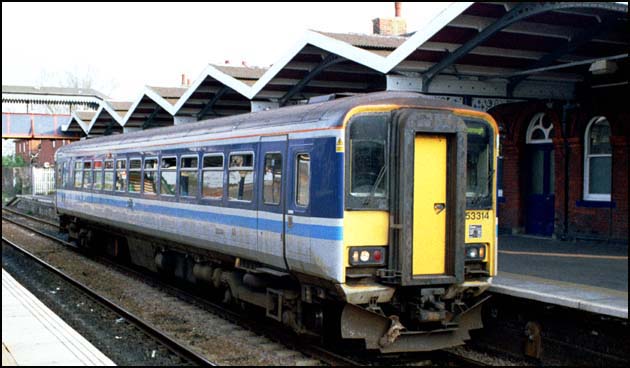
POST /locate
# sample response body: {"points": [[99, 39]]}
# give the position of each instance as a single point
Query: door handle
{"points": [[438, 207], [290, 221]]}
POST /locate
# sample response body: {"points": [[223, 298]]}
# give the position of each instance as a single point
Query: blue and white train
{"points": [[374, 214]]}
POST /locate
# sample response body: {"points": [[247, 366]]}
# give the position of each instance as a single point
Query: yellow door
{"points": [[429, 205]]}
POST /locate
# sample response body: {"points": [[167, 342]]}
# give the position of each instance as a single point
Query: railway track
{"points": [[316, 352], [171, 344], [279, 334]]}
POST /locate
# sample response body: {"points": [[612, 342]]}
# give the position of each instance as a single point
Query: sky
{"points": [[124, 46]]}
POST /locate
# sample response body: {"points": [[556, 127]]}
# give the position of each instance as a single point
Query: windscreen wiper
{"points": [[379, 178]]}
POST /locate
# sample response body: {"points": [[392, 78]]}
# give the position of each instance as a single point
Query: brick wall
{"points": [[46, 148], [583, 218]]}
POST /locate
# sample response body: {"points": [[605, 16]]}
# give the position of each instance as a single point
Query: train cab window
{"points": [[109, 175], [479, 170], [150, 176], [368, 150], [168, 175], [303, 182], [212, 176], [135, 166], [78, 174], [121, 175], [87, 174], [241, 177], [98, 175], [272, 178], [188, 176]]}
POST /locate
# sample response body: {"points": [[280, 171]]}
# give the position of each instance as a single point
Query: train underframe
{"points": [[394, 318]]}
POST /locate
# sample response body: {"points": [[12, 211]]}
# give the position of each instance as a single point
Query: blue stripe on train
{"points": [[304, 230]]}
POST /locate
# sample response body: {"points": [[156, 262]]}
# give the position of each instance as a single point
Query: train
{"points": [[373, 214]]}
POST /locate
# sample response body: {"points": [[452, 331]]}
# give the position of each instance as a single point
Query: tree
{"points": [[13, 161]]}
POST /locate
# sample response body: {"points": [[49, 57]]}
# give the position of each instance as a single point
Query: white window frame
{"points": [[243, 168], [190, 169], [587, 196], [536, 123], [169, 169], [215, 169]]}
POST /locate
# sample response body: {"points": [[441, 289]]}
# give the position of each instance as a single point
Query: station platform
{"points": [[585, 275], [33, 335]]}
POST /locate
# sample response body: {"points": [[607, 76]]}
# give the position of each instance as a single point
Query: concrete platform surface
{"points": [[586, 275], [33, 335]]}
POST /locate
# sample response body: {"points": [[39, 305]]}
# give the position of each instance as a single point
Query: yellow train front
{"points": [[419, 224], [373, 215]]}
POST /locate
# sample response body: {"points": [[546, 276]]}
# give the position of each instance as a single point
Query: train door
{"points": [[298, 207], [428, 194], [271, 202], [430, 207]]}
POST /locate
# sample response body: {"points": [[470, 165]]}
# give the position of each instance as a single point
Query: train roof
{"points": [[328, 114]]}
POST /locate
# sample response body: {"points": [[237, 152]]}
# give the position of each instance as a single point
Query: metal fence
{"points": [[27, 181]]}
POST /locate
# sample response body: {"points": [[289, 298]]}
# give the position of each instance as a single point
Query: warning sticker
{"points": [[339, 145]]}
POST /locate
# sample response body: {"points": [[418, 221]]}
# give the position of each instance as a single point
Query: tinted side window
{"points": [[121, 175], [135, 166], [87, 174], [303, 182], [272, 178], [150, 176], [109, 175], [168, 175], [78, 174], [98, 175], [241, 179], [188, 176], [212, 176]]}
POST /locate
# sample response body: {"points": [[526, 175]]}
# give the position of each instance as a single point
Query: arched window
{"points": [[540, 129], [597, 160]]}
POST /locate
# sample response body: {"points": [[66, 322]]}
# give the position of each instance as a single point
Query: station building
{"points": [[553, 75]]}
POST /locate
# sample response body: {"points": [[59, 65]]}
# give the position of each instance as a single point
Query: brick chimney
{"points": [[390, 26], [183, 80]]}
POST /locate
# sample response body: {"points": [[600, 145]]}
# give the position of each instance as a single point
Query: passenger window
{"points": [[59, 179], [272, 179], [188, 176], [78, 174], [150, 176], [98, 175], [87, 174], [135, 177], [121, 175], [109, 175], [241, 177], [168, 176], [212, 176], [303, 182], [66, 174]]}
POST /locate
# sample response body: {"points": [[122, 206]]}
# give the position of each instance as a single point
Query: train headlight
{"points": [[475, 251], [367, 256]]}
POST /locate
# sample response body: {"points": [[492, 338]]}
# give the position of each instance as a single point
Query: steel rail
{"points": [[179, 349], [19, 213]]}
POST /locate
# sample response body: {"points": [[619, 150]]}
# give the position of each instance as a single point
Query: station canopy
{"points": [[153, 108], [108, 118], [218, 92], [78, 123]]}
